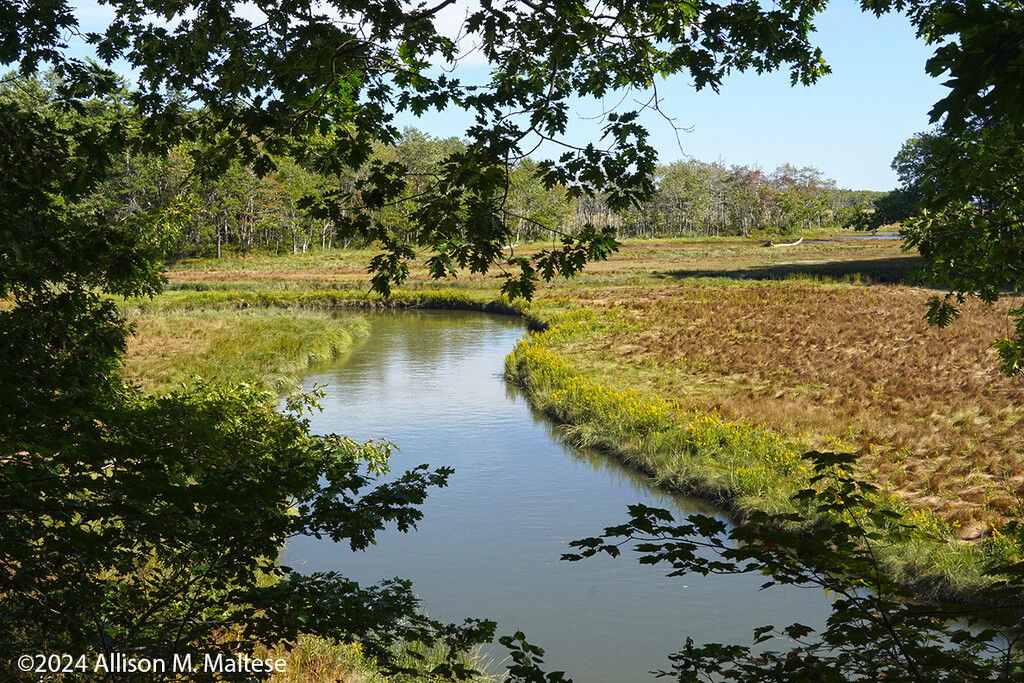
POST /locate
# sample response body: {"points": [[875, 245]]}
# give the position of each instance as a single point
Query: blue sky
{"points": [[849, 125]]}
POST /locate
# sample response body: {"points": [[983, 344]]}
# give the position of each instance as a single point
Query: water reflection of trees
{"points": [[424, 341]]}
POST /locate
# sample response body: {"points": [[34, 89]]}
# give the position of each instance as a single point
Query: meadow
{"points": [[926, 409], [711, 364], [272, 348]]}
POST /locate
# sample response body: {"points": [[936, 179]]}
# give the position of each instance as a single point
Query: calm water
{"points": [[868, 236], [489, 544]]}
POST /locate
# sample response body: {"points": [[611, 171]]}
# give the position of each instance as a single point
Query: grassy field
{"points": [[926, 408], [735, 356], [273, 348], [640, 260]]}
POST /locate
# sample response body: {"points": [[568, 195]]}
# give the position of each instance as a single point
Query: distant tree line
{"points": [[696, 198], [243, 209], [242, 212]]}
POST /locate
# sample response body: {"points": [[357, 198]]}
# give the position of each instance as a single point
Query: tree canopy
{"points": [[134, 522], [251, 88], [140, 524], [969, 218], [966, 174]]}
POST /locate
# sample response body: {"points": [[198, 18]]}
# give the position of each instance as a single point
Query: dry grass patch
{"points": [[738, 258], [655, 260], [213, 274], [926, 408], [345, 268]]}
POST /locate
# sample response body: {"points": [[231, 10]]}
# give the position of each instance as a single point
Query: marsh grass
{"points": [[317, 660], [926, 409], [717, 344], [262, 333], [802, 340], [272, 348], [733, 462], [637, 261]]}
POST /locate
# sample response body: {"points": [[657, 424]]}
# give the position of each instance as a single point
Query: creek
{"points": [[489, 544], [868, 236]]}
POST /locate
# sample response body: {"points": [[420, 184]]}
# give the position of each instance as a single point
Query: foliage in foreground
{"points": [[158, 528], [966, 174], [970, 220], [104, 491], [878, 629], [325, 88]]}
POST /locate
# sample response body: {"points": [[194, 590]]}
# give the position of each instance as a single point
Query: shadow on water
{"points": [[894, 270], [606, 465]]}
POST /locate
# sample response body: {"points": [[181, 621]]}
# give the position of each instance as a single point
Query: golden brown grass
{"points": [[661, 258], [314, 660], [926, 408]]}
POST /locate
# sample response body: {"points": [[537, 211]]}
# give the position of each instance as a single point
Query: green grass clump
{"points": [[268, 347], [261, 336]]}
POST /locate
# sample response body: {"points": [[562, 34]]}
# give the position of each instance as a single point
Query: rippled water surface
{"points": [[489, 544]]}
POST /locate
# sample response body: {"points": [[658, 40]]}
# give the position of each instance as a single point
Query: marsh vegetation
{"points": [[151, 522], [765, 355]]}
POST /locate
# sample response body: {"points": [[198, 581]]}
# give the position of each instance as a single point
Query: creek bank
{"points": [[489, 543], [736, 465]]}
